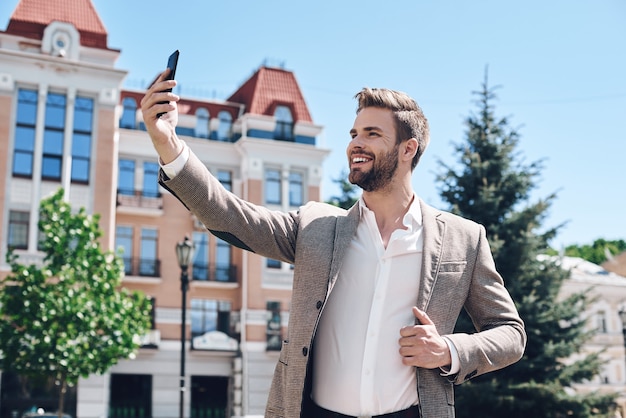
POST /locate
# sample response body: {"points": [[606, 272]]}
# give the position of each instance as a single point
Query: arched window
{"points": [[129, 113], [224, 128], [202, 123], [284, 124]]}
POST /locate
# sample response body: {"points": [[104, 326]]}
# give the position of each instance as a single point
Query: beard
{"points": [[380, 175]]}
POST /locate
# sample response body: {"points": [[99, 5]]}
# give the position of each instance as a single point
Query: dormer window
{"points": [[284, 124], [129, 113], [202, 123], [224, 128], [61, 39]]}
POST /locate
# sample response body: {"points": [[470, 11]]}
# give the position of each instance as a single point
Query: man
{"points": [[377, 289]]}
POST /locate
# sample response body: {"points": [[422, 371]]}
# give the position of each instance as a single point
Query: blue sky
{"points": [[560, 65]]}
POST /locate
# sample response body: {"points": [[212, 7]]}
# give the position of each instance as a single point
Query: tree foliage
{"points": [[348, 196], [598, 252], [492, 184], [68, 317]]}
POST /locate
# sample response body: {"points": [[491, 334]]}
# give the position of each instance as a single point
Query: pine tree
{"points": [[349, 192], [491, 184]]}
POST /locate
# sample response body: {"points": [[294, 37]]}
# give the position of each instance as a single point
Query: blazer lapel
{"points": [[434, 230], [344, 231]]}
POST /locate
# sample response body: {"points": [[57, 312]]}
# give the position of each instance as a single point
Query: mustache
{"points": [[361, 152]]}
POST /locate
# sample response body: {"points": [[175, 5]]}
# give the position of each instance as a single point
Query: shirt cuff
{"points": [[455, 365], [173, 168]]}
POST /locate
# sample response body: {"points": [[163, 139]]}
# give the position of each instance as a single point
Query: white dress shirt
{"points": [[358, 369]]}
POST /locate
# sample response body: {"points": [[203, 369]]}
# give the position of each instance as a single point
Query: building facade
{"points": [[66, 121], [606, 318]]}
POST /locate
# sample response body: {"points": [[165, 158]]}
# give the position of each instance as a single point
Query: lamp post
{"points": [[184, 254], [622, 317]]}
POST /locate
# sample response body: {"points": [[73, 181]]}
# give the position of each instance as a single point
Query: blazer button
{"points": [[319, 304], [305, 351]]}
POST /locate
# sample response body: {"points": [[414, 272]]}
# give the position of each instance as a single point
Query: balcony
{"points": [[142, 267], [222, 273], [137, 201]]}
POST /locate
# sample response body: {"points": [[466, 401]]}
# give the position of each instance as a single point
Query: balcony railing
{"points": [[142, 267], [214, 273], [139, 199]]}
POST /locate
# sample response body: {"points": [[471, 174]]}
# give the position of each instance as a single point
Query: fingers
{"points": [[159, 77], [422, 317], [159, 97]]}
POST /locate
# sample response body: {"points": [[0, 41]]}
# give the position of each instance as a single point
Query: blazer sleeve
{"points": [[500, 338], [251, 227]]}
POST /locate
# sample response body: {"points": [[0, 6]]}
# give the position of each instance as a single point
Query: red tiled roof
{"points": [[32, 16], [269, 87]]}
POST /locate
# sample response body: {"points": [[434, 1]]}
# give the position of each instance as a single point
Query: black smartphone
{"points": [[172, 63]]}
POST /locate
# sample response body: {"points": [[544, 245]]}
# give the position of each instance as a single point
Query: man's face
{"points": [[373, 150]]}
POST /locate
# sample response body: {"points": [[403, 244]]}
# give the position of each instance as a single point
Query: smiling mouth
{"points": [[360, 160]]}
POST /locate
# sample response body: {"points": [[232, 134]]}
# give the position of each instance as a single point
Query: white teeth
{"points": [[359, 160]]}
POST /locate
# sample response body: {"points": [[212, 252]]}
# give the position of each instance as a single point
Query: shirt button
{"points": [[319, 304], [305, 351]]}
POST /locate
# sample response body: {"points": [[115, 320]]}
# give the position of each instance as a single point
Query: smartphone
{"points": [[172, 63]]}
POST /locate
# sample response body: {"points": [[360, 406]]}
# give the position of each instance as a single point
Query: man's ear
{"points": [[409, 149]]}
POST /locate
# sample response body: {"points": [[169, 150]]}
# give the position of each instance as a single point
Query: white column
{"points": [[66, 167], [33, 230]]}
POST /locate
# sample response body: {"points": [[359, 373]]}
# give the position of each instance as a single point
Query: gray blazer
{"points": [[458, 272]]}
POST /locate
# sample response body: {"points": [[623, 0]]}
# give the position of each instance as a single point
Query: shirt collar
{"points": [[412, 218]]}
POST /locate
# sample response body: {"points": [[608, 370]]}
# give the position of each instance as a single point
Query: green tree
{"points": [[598, 252], [68, 317], [348, 196], [491, 184]]}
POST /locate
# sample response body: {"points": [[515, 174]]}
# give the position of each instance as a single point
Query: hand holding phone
{"points": [[172, 63]]}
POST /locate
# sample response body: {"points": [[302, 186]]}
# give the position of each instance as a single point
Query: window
{"points": [[272, 264], [273, 189], [126, 177], [124, 242], [18, 229], [81, 140], [296, 189], [53, 137], [200, 268], [222, 262], [148, 263], [130, 395], [25, 124], [226, 178], [209, 396], [224, 128], [209, 315], [273, 332], [601, 322], [202, 123], [284, 124], [129, 113], [150, 179]]}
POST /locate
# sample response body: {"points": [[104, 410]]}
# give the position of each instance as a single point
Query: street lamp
{"points": [[622, 317], [184, 254]]}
